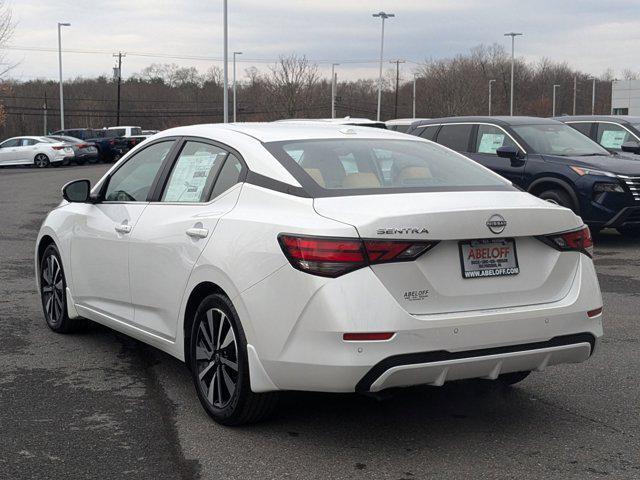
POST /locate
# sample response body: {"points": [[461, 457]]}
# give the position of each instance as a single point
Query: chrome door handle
{"points": [[197, 232], [124, 228]]}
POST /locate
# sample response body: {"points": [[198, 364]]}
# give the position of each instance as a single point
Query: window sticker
{"points": [[189, 177], [490, 142], [613, 139]]}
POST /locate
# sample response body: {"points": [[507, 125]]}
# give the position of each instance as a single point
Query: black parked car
{"points": [[613, 132], [83, 151], [110, 148], [551, 160]]}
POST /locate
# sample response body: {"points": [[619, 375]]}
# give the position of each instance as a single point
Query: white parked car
{"points": [[319, 257], [38, 151]]}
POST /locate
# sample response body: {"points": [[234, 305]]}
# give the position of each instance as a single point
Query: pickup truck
{"points": [[132, 135], [110, 147]]}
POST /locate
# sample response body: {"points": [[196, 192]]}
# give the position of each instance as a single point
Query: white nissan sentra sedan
{"points": [[317, 257]]}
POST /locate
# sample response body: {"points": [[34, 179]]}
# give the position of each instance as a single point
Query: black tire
{"points": [[559, 197], [41, 161], [223, 391], [115, 157], [81, 162], [53, 293], [512, 378], [631, 231]]}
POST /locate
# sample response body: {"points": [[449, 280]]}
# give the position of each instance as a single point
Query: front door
{"points": [[9, 151], [100, 242], [172, 232]]}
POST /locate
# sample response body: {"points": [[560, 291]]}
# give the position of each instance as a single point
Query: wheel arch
{"points": [[547, 183], [198, 293]]}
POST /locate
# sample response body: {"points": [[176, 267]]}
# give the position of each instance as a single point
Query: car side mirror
{"points": [[509, 152], [632, 147], [77, 191]]}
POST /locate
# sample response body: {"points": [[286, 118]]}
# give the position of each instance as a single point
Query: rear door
{"points": [[486, 140], [174, 229]]}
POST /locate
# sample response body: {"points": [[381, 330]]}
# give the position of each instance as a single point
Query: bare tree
{"points": [[292, 80]]}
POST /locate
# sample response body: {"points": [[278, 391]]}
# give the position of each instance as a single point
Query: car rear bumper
{"points": [[300, 346]]}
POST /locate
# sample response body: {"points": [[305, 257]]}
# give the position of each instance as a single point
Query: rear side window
{"points": [[456, 137], [379, 165], [228, 177], [584, 128], [612, 136], [14, 142], [194, 172], [427, 133], [491, 138]]}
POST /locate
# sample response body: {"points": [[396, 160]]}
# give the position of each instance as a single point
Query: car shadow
{"points": [[611, 238]]}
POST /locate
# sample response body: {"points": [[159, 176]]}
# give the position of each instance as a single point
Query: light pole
{"points": [[575, 93], [60, 68], [553, 110], [383, 16], [513, 36], [225, 93], [395, 109], [491, 82], [593, 97], [334, 87], [234, 84], [414, 95]]}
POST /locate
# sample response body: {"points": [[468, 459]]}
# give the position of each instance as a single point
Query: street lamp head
{"points": [[384, 15], [513, 34], [237, 53], [60, 24], [492, 81]]}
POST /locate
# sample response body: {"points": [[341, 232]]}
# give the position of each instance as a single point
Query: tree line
{"points": [[167, 95]]}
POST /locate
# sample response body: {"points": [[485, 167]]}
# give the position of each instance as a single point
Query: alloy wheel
{"points": [[217, 358], [53, 290], [41, 160]]}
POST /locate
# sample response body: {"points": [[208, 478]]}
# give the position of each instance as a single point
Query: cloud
{"points": [[589, 35]]}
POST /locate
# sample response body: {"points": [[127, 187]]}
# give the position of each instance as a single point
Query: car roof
{"points": [[281, 131], [595, 118], [503, 121], [337, 121], [404, 121]]}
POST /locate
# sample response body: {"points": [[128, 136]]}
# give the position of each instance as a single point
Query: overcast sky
{"points": [[591, 35]]}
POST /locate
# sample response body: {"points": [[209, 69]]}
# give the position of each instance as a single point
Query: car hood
{"points": [[608, 163]]}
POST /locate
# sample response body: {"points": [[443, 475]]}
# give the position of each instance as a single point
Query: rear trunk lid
{"points": [[533, 273]]}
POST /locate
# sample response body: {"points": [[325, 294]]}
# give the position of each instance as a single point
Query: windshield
{"points": [[558, 139], [381, 164]]}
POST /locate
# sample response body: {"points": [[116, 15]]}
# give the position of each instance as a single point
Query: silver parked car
{"points": [[39, 151]]}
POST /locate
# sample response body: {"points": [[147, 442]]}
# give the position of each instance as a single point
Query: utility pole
{"points": [[234, 84], [397, 62], [60, 70], [575, 91], [491, 82], [383, 16], [593, 97], [44, 112], [334, 87], [513, 36], [414, 95], [553, 114], [225, 93], [118, 76]]}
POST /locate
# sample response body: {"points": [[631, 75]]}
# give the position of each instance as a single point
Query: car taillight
{"points": [[58, 147], [82, 145], [112, 142], [575, 241], [332, 257]]}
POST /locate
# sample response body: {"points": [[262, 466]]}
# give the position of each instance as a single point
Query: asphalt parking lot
{"points": [[100, 405]]}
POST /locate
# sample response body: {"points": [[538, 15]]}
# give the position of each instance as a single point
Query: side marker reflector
{"points": [[594, 313]]}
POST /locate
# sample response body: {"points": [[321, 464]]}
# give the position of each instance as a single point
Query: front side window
{"points": [[456, 137], [558, 139], [612, 136], [490, 138], [583, 128], [13, 142], [380, 165], [133, 180], [194, 172], [428, 133], [136, 131]]}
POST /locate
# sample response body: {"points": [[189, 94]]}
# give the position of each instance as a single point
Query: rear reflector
{"points": [[332, 257], [575, 241], [594, 313], [367, 337]]}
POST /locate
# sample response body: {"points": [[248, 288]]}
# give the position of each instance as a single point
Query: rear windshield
{"points": [[330, 167]]}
